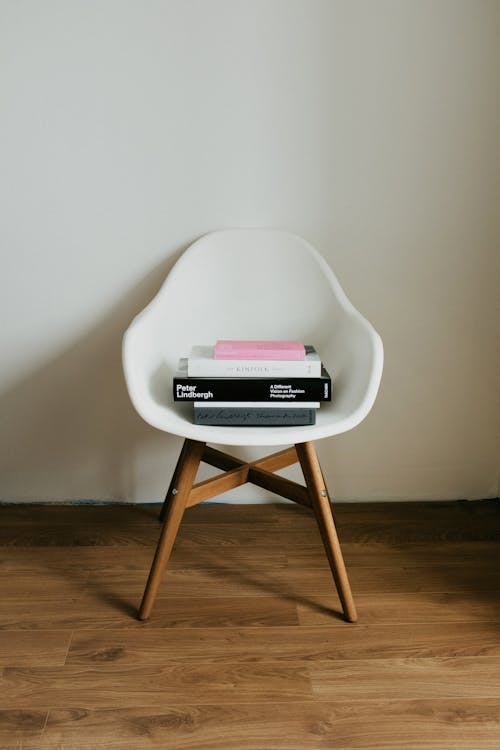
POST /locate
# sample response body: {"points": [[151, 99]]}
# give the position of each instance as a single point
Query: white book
{"points": [[257, 405], [202, 364]]}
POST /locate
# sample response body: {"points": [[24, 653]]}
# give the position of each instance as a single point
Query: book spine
{"points": [[254, 417], [252, 389], [257, 404], [226, 349], [204, 368]]}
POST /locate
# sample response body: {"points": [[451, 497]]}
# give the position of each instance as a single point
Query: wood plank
{"points": [[31, 514], [252, 644], [407, 608], [483, 576], [40, 585], [419, 522], [401, 555], [279, 513], [381, 513], [447, 724], [110, 611], [18, 725], [253, 580], [75, 535], [27, 648], [268, 536], [415, 678], [123, 559], [47, 534], [391, 524], [296, 550], [153, 686]]}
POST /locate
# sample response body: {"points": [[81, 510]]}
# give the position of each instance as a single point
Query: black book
{"points": [[278, 390]]}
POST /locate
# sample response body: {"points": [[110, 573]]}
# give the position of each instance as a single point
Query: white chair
{"points": [[250, 284]]}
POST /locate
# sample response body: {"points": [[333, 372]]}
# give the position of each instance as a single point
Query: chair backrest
{"points": [[246, 284]]}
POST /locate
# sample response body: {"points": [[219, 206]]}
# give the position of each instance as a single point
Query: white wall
{"points": [[130, 128]]}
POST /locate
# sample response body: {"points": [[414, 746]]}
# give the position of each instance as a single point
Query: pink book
{"points": [[287, 350]]}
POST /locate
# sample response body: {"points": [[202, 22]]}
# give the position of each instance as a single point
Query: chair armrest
{"points": [[355, 354]]}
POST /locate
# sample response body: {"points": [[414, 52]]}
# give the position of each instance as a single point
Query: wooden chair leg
{"points": [[173, 482], [323, 512], [185, 475]]}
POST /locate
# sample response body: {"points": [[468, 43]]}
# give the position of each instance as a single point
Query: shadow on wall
{"points": [[69, 431]]}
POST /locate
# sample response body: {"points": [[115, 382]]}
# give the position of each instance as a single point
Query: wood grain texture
{"points": [[173, 510], [247, 648], [277, 461], [258, 580], [324, 516], [360, 725], [208, 488], [262, 552], [28, 648], [106, 610], [281, 486], [169, 495], [425, 678], [18, 726], [154, 685], [413, 608], [305, 643]]}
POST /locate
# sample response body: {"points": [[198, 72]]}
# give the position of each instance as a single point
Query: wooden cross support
{"points": [[183, 493]]}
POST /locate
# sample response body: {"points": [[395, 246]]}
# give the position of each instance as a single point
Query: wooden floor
{"points": [[245, 649]]}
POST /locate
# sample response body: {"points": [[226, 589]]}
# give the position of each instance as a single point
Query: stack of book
{"points": [[253, 383]]}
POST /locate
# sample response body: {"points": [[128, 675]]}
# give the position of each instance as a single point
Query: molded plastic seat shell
{"points": [[251, 284]]}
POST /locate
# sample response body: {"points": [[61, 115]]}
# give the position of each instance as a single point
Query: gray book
{"points": [[236, 416]]}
